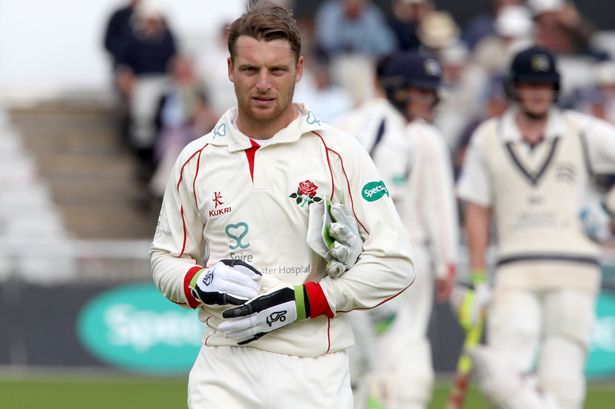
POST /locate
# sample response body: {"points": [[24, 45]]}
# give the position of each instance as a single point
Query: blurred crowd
{"points": [[169, 97]]}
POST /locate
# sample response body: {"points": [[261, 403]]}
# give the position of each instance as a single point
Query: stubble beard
{"points": [[533, 116]]}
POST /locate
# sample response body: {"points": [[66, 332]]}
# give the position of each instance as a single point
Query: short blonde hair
{"points": [[266, 21]]}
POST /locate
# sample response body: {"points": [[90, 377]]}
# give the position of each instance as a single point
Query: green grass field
{"points": [[61, 392]]}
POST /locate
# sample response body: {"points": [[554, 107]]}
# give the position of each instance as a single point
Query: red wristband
{"points": [[318, 301]]}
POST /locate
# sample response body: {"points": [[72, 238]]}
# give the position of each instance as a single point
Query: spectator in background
{"points": [[118, 31], [484, 24], [513, 30], [352, 27], [351, 33], [318, 92], [460, 94], [212, 68], [603, 105], [405, 19], [493, 103], [184, 114], [142, 76], [561, 29], [437, 31]]}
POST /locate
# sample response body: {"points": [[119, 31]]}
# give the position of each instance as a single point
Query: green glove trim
{"points": [[300, 302], [195, 278], [478, 276], [383, 326]]}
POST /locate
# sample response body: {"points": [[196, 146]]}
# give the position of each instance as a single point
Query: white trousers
{"points": [[547, 333], [398, 361], [249, 378]]}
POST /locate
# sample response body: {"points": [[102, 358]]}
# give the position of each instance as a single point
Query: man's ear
{"points": [[229, 66], [299, 69]]}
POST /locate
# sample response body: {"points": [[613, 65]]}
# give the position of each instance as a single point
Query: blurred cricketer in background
{"points": [[529, 171], [232, 237], [394, 368]]}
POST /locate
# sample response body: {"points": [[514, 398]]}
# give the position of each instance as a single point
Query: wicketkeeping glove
{"points": [[228, 281], [470, 299], [268, 312], [333, 233], [596, 222]]}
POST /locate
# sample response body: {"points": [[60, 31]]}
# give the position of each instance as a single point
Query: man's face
{"points": [[264, 75], [421, 102], [535, 99]]}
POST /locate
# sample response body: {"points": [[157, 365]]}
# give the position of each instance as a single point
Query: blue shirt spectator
{"points": [[352, 27]]}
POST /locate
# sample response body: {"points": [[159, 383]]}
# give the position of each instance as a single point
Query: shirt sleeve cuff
{"points": [[318, 301], [192, 302]]}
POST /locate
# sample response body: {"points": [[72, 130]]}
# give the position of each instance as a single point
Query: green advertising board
{"points": [[135, 328], [601, 359]]}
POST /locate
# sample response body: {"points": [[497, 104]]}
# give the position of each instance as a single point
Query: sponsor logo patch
{"points": [[237, 232], [217, 201], [373, 191]]}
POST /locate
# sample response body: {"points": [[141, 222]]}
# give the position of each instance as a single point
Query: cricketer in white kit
{"points": [[547, 272], [231, 239], [413, 158]]}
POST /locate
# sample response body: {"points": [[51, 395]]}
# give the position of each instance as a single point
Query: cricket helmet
{"points": [[533, 65], [409, 69]]}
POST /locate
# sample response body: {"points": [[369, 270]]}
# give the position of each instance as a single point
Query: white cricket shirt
{"points": [[227, 198]]}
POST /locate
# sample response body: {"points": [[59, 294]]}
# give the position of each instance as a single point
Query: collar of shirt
{"points": [[510, 131], [225, 133]]}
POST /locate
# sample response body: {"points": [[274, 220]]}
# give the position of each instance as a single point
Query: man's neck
{"points": [[531, 127], [265, 130]]}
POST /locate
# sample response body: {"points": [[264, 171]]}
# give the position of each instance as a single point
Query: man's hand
{"points": [[470, 299], [226, 282], [274, 310], [445, 284], [265, 313], [333, 233]]}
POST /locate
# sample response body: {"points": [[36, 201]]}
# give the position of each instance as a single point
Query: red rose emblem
{"points": [[307, 188]]}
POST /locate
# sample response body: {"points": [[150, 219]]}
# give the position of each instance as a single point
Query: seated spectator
{"points": [[352, 27], [142, 76], [599, 100], [494, 103], [561, 28], [483, 25], [118, 30], [513, 31], [460, 96], [405, 19], [437, 31], [118, 33], [319, 93], [183, 115], [212, 68]]}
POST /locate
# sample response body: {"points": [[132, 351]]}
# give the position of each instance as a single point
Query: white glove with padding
{"points": [[333, 233], [229, 281]]}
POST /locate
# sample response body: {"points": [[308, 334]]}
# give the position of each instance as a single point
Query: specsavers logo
{"points": [[134, 327], [374, 191]]}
